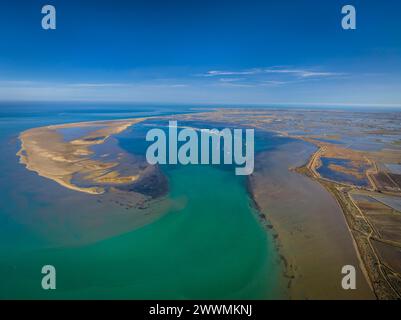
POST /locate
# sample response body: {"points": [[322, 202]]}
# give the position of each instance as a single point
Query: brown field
{"points": [[390, 256]]}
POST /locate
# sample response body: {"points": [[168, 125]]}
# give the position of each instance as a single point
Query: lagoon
{"points": [[207, 243]]}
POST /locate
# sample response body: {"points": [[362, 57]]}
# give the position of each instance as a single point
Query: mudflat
{"points": [[311, 232]]}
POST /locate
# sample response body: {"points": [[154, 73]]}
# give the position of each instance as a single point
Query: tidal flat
{"points": [[200, 231], [199, 239], [311, 232]]}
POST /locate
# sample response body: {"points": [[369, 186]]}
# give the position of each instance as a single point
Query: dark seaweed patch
{"points": [[153, 184]]}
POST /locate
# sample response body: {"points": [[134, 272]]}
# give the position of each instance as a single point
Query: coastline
{"points": [[309, 231], [291, 236], [358, 227], [48, 135], [44, 151]]}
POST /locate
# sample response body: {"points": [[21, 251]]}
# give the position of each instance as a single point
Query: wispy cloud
{"points": [[86, 85], [230, 79], [303, 73], [295, 72], [257, 85], [213, 73], [98, 85], [228, 82], [269, 76], [237, 85], [17, 82], [274, 83]]}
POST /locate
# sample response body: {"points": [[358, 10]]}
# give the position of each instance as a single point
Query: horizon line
{"points": [[207, 104]]}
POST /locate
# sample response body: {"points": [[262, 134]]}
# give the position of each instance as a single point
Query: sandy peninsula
{"points": [[45, 151]]}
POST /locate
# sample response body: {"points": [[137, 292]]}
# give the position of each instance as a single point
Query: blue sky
{"points": [[202, 52]]}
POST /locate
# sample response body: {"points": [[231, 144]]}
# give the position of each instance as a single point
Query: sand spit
{"points": [[46, 152]]}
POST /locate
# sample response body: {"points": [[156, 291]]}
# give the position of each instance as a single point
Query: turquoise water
{"points": [[212, 248], [208, 245]]}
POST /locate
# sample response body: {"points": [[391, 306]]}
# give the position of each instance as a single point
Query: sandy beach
{"points": [[44, 151]]}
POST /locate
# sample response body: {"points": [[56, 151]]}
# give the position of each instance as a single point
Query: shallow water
{"points": [[70, 134], [312, 231], [208, 243], [393, 202], [326, 172]]}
